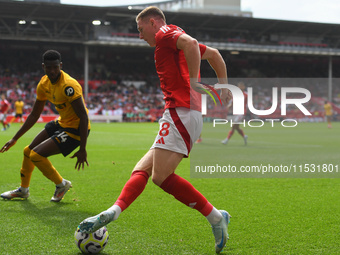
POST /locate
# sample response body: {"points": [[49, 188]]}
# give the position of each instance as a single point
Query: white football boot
{"points": [[60, 192], [245, 138], [225, 141], [94, 223], [15, 193], [220, 231]]}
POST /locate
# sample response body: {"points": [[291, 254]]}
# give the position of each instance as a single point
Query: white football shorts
{"points": [[3, 116], [179, 128]]}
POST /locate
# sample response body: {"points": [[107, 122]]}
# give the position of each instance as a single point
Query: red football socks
{"points": [[132, 189], [231, 132], [175, 185], [184, 192]]}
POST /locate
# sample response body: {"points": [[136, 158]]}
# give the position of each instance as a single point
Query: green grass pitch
{"points": [[269, 215]]}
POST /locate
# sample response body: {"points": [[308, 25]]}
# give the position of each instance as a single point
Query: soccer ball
{"points": [[93, 242]]}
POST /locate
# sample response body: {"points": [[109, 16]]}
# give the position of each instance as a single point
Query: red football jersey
{"points": [[4, 104], [172, 70]]}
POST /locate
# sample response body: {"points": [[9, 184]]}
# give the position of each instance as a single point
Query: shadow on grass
{"points": [[57, 220], [61, 216]]}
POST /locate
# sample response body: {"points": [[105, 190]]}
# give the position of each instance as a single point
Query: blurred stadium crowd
{"points": [[123, 81]]}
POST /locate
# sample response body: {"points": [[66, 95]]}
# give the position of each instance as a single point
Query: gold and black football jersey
{"points": [[62, 94]]}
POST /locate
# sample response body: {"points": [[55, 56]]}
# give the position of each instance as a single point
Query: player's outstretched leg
{"points": [[131, 190], [220, 231], [94, 223], [17, 193]]}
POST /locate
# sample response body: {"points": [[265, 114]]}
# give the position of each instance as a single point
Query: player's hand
{"points": [[226, 96], [8, 145], [81, 159]]}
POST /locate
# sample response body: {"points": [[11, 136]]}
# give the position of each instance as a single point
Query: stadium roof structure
{"points": [[36, 21]]}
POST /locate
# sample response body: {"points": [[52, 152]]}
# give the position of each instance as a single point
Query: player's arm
{"points": [[79, 108], [192, 55], [32, 118], [217, 63]]}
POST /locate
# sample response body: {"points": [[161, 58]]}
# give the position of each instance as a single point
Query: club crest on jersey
{"points": [[69, 91]]}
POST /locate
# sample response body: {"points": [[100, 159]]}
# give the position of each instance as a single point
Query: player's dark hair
{"points": [[151, 11], [51, 55]]}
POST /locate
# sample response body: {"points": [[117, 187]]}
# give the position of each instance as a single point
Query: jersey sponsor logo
{"points": [[69, 91]]}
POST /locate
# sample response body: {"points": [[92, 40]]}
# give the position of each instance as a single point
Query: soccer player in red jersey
{"points": [[177, 59], [236, 119], [5, 106]]}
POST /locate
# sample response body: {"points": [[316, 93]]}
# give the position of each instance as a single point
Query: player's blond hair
{"points": [[151, 11]]}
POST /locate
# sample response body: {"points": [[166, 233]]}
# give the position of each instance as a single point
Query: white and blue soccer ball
{"points": [[91, 243]]}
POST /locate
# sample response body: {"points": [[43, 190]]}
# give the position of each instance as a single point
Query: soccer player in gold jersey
{"points": [[63, 135], [19, 110], [328, 113]]}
